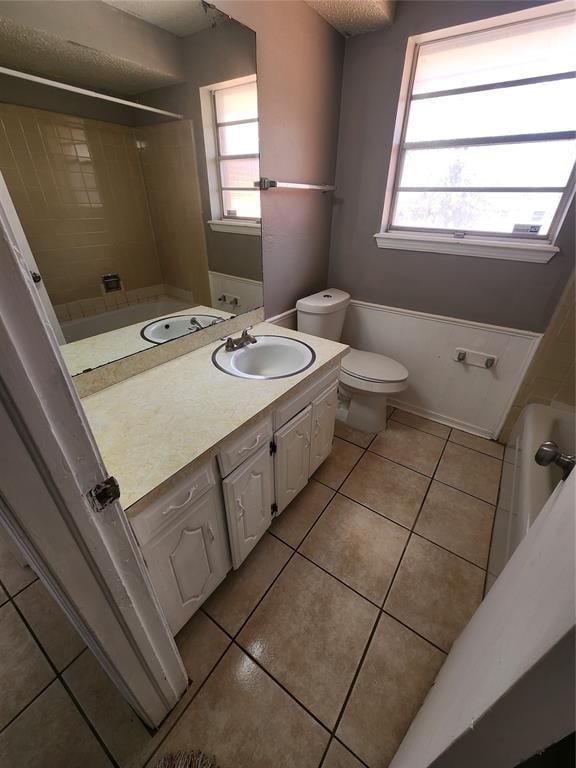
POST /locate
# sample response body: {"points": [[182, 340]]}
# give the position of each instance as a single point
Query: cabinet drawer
{"points": [[293, 406], [173, 503], [233, 452]]}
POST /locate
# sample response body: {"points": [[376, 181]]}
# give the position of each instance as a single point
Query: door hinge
{"points": [[273, 447], [104, 493], [274, 509]]}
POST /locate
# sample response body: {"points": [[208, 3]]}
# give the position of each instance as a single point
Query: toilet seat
{"points": [[371, 372]]}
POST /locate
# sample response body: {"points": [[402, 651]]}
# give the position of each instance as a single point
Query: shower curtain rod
{"points": [[86, 92]]}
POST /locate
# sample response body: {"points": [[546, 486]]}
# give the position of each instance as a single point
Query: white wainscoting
{"points": [[468, 397], [248, 292]]}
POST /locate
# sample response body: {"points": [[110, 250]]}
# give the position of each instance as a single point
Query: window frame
{"points": [[515, 246], [219, 221]]}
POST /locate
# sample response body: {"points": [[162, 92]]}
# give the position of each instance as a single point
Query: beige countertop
{"points": [[153, 425], [94, 351]]}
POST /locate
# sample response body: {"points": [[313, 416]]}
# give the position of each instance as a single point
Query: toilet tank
{"points": [[323, 313]]}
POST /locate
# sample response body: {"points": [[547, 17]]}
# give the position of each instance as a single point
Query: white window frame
{"points": [[219, 222], [513, 247]]}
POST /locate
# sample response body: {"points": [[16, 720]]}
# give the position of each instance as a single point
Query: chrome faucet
{"points": [[242, 341]]}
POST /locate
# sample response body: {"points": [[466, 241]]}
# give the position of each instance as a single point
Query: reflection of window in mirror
{"points": [[230, 123]]}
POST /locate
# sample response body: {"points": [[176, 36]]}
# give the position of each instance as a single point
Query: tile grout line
{"points": [[58, 677]]}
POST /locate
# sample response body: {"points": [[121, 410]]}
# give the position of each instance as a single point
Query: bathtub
{"points": [[525, 486], [83, 327]]}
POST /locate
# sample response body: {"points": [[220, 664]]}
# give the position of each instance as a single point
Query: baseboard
{"points": [[285, 319], [442, 419]]}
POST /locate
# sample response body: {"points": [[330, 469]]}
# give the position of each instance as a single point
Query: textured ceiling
{"points": [[181, 17], [353, 17], [39, 53]]}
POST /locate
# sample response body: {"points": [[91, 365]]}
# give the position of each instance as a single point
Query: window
{"points": [[231, 132], [484, 159]]}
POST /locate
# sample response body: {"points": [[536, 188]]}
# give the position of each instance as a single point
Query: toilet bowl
{"points": [[366, 378]]}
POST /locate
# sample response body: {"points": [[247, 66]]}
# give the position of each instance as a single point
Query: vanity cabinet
{"points": [[249, 497], [192, 535], [292, 458], [184, 542], [323, 420]]}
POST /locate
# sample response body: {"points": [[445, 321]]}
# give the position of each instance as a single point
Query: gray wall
{"points": [[512, 294], [299, 80], [213, 55]]}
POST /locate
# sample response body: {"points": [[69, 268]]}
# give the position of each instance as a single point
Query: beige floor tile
{"points": [[339, 757], [201, 644], [116, 723], [241, 590], [309, 632], [13, 576], [396, 675], [356, 436], [356, 545], [293, 524], [245, 720], [60, 641], [24, 670], [419, 422], [388, 488], [337, 466], [470, 471], [51, 732], [410, 447], [491, 447], [435, 592], [457, 521]]}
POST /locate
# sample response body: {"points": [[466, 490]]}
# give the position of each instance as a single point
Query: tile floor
{"points": [[317, 652]]}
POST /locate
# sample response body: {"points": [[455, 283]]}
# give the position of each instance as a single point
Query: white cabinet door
{"points": [[249, 495], [292, 457], [188, 559], [323, 418]]}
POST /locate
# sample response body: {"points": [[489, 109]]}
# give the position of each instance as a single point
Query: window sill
{"points": [[539, 252], [235, 227]]}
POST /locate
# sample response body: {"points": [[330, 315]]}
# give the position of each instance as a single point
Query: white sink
{"points": [[168, 328], [271, 357]]}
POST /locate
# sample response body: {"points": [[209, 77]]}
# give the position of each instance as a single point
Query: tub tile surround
{"points": [[152, 426], [279, 673]]}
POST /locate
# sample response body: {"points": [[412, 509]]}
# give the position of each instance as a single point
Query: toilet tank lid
{"points": [[323, 302], [374, 367]]}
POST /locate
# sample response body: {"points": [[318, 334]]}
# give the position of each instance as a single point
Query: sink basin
{"points": [[272, 357], [168, 328]]}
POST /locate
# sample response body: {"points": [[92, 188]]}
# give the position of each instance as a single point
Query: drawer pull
{"points": [[255, 444], [211, 532], [242, 509], [172, 507]]}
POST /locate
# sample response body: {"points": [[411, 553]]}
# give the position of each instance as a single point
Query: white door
{"points": [[84, 553], [292, 458], [323, 419], [249, 495], [506, 690], [188, 560]]}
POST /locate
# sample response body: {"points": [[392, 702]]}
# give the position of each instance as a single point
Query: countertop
{"points": [[160, 422]]}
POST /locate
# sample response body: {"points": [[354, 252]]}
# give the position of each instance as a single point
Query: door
{"points": [[249, 495], [292, 458], [84, 554], [323, 418], [506, 690], [187, 561]]}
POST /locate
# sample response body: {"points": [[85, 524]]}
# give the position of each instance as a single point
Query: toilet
{"points": [[366, 378]]}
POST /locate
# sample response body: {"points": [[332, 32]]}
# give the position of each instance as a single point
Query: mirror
{"points": [[144, 224]]}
